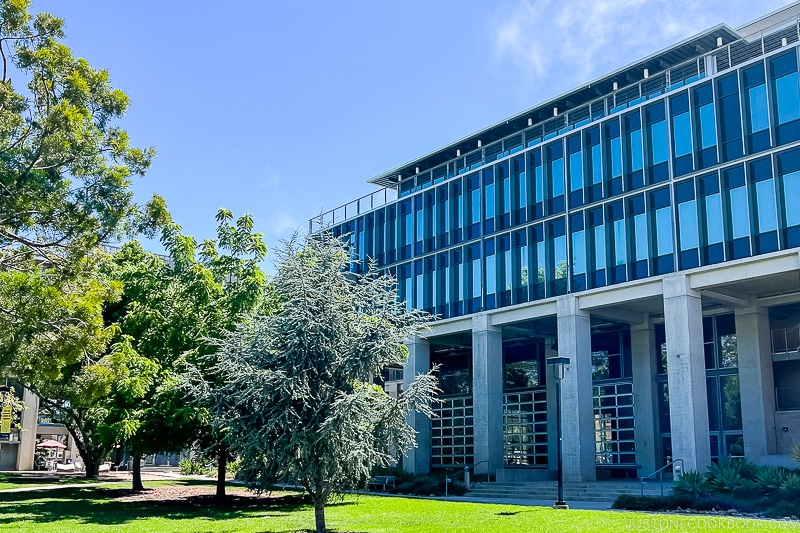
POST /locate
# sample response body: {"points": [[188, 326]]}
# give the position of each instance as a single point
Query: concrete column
{"points": [[686, 373], [645, 407], [577, 415], [27, 437], [418, 459], [756, 382], [487, 393]]}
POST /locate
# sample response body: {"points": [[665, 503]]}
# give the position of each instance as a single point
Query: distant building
{"points": [[646, 225]]}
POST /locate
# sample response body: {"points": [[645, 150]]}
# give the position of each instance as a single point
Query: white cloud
{"points": [[563, 43], [283, 223]]}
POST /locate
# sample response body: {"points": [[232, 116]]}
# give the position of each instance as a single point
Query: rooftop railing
{"points": [[720, 59], [352, 209]]}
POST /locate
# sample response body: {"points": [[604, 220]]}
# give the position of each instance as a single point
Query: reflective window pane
{"points": [[765, 206], [687, 224]]}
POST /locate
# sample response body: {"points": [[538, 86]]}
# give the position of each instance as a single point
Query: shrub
{"points": [[692, 483], [725, 476], [399, 473], [189, 467], [770, 478], [653, 503], [790, 487], [795, 453], [749, 469], [783, 509]]}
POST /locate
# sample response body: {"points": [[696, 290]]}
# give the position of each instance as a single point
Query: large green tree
{"points": [[294, 390], [170, 309], [65, 174]]}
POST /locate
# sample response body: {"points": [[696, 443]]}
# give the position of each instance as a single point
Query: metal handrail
{"points": [[660, 473], [466, 473]]}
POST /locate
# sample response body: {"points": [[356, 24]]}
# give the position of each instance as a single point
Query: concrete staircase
{"points": [[594, 491]]}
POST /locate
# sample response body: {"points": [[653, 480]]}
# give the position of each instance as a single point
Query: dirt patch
{"points": [[202, 496]]}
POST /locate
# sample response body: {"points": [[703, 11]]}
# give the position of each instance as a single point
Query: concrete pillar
{"points": [[577, 415], [487, 393], [756, 382], [27, 437], [686, 373], [417, 460], [645, 407]]}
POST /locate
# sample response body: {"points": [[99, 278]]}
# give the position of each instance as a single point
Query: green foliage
{"points": [[726, 476], [291, 389], [795, 453], [653, 503], [790, 487], [400, 474], [783, 509], [171, 310], [692, 483], [66, 165], [190, 467], [770, 478]]}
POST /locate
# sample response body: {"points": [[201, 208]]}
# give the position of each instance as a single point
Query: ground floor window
{"points": [[613, 424], [525, 428], [452, 441]]}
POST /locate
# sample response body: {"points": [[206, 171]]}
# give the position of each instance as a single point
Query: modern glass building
{"points": [[647, 226]]}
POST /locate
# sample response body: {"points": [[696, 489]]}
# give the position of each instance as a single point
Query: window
{"points": [[764, 202], [681, 134], [785, 97], [756, 108], [578, 252], [688, 238], [613, 157]]}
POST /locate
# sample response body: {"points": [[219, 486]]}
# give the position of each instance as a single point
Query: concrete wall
{"points": [[686, 373], [575, 342], [755, 382], [787, 431], [418, 459], [27, 444], [487, 394], [645, 408]]}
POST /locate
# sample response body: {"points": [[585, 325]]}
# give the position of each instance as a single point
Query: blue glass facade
{"points": [[693, 177]]}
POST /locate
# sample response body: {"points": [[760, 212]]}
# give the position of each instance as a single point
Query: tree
{"points": [[168, 310], [65, 177], [65, 164], [296, 399], [74, 369]]}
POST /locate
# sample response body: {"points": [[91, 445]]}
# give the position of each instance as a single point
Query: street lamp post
{"points": [[559, 365]]}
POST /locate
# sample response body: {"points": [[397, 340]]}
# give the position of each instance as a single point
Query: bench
{"points": [[65, 468], [382, 481]]}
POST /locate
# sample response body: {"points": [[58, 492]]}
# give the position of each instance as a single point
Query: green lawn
{"points": [[13, 481], [87, 509]]}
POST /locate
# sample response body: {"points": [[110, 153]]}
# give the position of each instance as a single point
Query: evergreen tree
{"points": [[296, 399]]}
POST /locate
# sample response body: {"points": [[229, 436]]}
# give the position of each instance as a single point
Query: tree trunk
{"points": [[137, 472], [319, 513], [92, 465], [222, 467]]}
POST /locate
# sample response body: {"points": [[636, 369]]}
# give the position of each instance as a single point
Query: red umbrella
{"points": [[50, 443]]}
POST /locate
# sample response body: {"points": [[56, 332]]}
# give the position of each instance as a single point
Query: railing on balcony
{"points": [[786, 340], [787, 398], [356, 207], [720, 59]]}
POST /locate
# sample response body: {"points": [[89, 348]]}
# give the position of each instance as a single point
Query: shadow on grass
{"points": [[97, 506]]}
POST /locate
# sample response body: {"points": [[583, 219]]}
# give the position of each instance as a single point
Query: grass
{"points": [[87, 509], [14, 481]]}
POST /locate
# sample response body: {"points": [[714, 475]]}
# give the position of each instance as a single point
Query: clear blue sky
{"points": [[282, 109]]}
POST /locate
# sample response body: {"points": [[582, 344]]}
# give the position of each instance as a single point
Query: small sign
{"points": [[5, 421]]}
